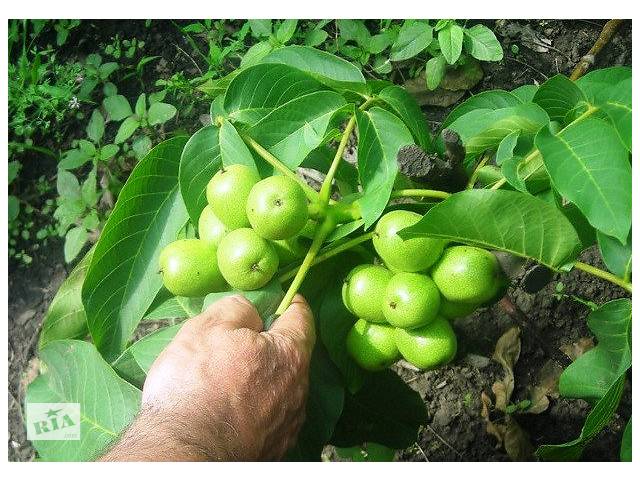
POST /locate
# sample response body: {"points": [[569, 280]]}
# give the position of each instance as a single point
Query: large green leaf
{"points": [[559, 96], [166, 306], [385, 410], [332, 71], [201, 159], [123, 278], [74, 372], [381, 135], [293, 130], [491, 99], [65, 317], [257, 90], [625, 446], [598, 417], [134, 363], [514, 222], [324, 406], [232, 148], [597, 82], [589, 166], [481, 43], [592, 374], [616, 256], [404, 105], [484, 129], [450, 39], [616, 103]]}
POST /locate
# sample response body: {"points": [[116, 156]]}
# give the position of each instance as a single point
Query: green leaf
{"points": [[286, 30], [589, 166], [256, 53], [597, 82], [616, 103], [87, 147], [315, 37], [616, 256], [435, 70], [201, 159], [106, 69], [260, 28], [382, 65], [293, 130], [481, 43], [513, 222], [166, 306], [127, 128], [161, 113], [381, 135], [147, 217], [72, 159], [141, 146], [385, 410], [65, 317], [592, 374], [413, 38], [68, 185], [559, 97], [117, 107], [141, 105], [14, 168], [625, 447], [95, 127], [324, 406], [258, 90], [89, 190], [450, 40], [354, 30], [525, 93], [14, 207], [74, 240], [597, 419], [134, 363], [108, 151], [232, 148], [74, 372], [491, 100], [406, 108], [265, 299], [328, 69], [506, 147], [484, 129]]}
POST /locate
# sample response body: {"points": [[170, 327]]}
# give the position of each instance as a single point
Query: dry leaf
{"points": [[502, 389], [507, 349], [496, 431], [516, 442], [575, 349]]}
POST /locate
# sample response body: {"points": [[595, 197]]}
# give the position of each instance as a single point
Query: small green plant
{"points": [[95, 73], [126, 48]]}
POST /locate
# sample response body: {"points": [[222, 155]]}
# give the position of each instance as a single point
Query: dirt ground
{"points": [[456, 430]]}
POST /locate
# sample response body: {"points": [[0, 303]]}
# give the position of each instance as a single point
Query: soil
{"points": [[456, 430]]}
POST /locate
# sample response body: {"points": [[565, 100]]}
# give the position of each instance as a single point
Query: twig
{"points": [[528, 66], [587, 60], [189, 57], [444, 441]]}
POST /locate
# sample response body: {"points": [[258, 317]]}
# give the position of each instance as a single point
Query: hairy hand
{"points": [[223, 389]]}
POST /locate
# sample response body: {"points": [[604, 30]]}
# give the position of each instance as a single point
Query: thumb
{"points": [[297, 324], [229, 313]]}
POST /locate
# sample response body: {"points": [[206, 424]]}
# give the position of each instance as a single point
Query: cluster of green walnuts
{"points": [[248, 228], [405, 306]]}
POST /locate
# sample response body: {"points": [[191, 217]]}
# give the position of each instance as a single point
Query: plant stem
{"points": [[35, 148], [474, 175], [325, 190], [325, 229], [585, 62], [281, 167], [604, 275], [328, 253], [419, 192]]}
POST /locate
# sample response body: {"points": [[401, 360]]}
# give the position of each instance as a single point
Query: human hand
{"points": [[225, 390]]}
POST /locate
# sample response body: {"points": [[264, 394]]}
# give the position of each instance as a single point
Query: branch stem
{"points": [[585, 267], [419, 192]]}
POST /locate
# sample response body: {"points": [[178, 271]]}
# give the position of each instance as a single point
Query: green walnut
{"points": [[372, 345], [227, 193], [411, 255], [190, 269], [247, 261], [427, 347], [210, 227], [363, 291], [411, 300], [277, 208]]}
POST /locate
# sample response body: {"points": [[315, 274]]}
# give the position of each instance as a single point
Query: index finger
{"points": [[297, 324]]}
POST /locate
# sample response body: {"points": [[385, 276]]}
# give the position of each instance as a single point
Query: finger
{"points": [[297, 324], [228, 313]]}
